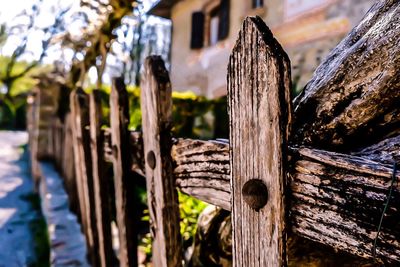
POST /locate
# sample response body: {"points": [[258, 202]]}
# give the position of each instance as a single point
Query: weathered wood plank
{"points": [[83, 165], [259, 108], [330, 190], [78, 155], [202, 170], [100, 182], [68, 166], [58, 142], [353, 99], [123, 179], [346, 201], [162, 198], [33, 130], [342, 189]]}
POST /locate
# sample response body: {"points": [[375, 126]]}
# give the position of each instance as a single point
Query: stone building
{"points": [[204, 32]]}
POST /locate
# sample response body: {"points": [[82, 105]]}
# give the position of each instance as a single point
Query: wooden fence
{"points": [[270, 185]]}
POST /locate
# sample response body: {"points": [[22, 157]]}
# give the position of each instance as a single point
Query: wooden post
{"points": [[100, 182], [259, 115], [59, 145], [156, 103], [33, 124], [68, 166], [83, 167], [123, 179], [77, 159]]}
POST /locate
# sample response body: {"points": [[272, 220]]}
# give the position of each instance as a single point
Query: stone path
{"points": [[66, 240], [16, 213]]}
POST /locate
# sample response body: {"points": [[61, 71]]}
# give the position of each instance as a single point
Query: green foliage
{"points": [[190, 209], [13, 94], [24, 83], [193, 116]]}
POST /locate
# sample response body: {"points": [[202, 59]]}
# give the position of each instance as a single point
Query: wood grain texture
{"points": [[353, 99], [202, 170], [80, 110], [338, 199], [68, 166], [162, 198], [32, 117], [123, 179], [79, 154], [330, 191], [258, 89], [100, 182]]}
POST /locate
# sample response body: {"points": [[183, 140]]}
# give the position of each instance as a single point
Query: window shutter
{"points": [[197, 38], [223, 30]]}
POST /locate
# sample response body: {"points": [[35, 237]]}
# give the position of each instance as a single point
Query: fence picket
{"points": [[162, 198], [83, 166], [123, 179], [258, 90], [68, 165], [100, 182]]}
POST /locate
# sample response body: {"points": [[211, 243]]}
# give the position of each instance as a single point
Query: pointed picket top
{"points": [[259, 119]]}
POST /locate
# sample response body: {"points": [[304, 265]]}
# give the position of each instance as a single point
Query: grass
{"points": [[38, 228]]}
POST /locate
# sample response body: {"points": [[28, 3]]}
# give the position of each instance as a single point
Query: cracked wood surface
{"points": [[330, 191], [162, 197], [353, 99], [259, 120]]}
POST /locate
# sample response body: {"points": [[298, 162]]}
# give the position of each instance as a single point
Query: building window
{"points": [[258, 3], [214, 26], [210, 25]]}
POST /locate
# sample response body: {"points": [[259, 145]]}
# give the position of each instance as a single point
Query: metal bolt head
{"points": [[151, 159], [255, 194]]}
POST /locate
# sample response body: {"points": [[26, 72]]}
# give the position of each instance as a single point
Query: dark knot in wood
{"points": [[151, 159], [255, 194]]}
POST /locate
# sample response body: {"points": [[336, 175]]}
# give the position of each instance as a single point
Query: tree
{"points": [[16, 72]]}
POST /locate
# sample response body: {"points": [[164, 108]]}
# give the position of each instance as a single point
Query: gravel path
{"points": [[16, 241]]}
